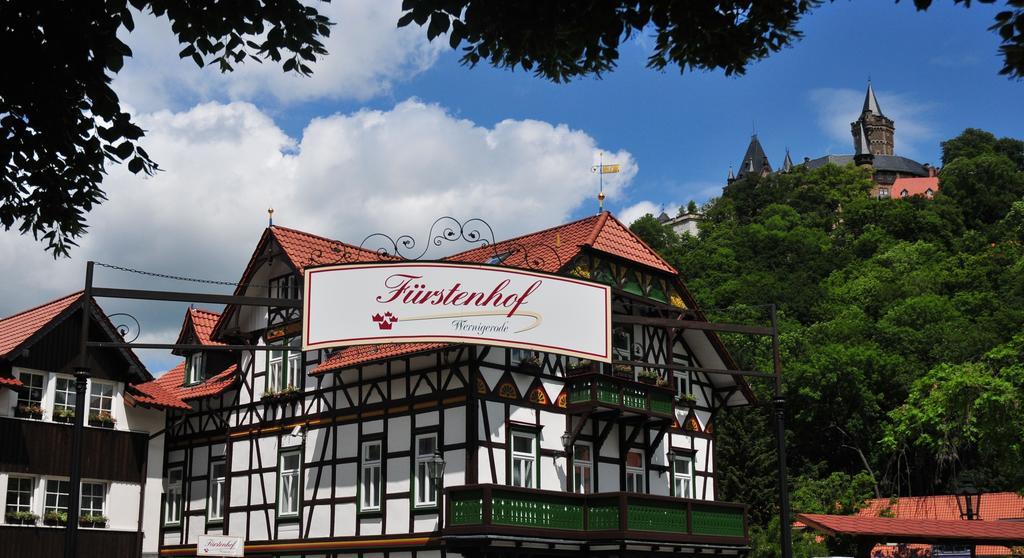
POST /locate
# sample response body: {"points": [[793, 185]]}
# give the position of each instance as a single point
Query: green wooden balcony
{"points": [[594, 390], [613, 516]]}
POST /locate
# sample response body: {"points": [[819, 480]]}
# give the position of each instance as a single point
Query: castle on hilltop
{"points": [[874, 148]]}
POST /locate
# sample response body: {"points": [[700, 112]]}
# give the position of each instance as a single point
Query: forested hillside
{"points": [[902, 321]]}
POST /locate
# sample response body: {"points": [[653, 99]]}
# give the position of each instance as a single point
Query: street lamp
{"points": [[566, 442], [435, 468], [968, 499]]}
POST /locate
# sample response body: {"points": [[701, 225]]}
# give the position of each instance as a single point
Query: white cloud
{"points": [[630, 214], [838, 107], [347, 176], [367, 55]]}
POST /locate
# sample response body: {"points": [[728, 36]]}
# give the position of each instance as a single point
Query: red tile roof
{"points": [[914, 186], [917, 530], [10, 381], [994, 506], [361, 354], [551, 249], [173, 381], [152, 394], [203, 322], [16, 329], [304, 249]]}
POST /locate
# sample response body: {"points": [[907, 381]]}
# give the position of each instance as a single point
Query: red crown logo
{"points": [[386, 321]]}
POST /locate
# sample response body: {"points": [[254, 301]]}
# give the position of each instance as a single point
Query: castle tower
{"points": [[878, 129], [755, 162]]}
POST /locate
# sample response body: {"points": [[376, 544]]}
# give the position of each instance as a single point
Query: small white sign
{"points": [[359, 304], [219, 545]]}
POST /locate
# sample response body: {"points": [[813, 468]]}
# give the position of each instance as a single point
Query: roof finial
{"points": [[270, 216]]}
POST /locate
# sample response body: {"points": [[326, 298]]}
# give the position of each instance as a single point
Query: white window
{"points": [[682, 384], [634, 471], [64, 395], [56, 496], [582, 468], [31, 397], [94, 495], [682, 477], [101, 402], [284, 367], [524, 459], [426, 484], [287, 287], [195, 368], [19, 494], [172, 507], [215, 506], [371, 476], [290, 484]]}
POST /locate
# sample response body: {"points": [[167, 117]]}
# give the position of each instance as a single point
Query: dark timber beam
{"points": [[693, 324], [173, 296]]}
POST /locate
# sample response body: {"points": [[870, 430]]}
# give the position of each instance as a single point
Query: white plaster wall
{"points": [[345, 519], [397, 512]]}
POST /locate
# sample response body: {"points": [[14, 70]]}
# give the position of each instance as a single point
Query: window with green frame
{"points": [[284, 364], [425, 486]]}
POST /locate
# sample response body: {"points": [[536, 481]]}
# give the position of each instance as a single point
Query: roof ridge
{"points": [[636, 237], [43, 305], [320, 237], [204, 311], [602, 218], [524, 235]]}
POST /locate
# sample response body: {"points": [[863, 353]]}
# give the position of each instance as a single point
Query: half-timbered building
{"points": [[429, 449], [122, 440]]}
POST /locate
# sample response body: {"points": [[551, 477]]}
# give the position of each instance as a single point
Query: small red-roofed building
{"points": [[122, 442], [904, 188], [929, 526], [334, 452]]}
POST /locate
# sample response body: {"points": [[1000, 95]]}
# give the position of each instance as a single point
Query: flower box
{"points": [[285, 394], [582, 366], [94, 521], [102, 419], [64, 415], [28, 411], [55, 518], [686, 400], [530, 365], [20, 518]]}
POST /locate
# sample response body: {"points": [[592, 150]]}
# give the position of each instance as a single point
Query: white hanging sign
{"points": [[220, 545], [359, 304]]}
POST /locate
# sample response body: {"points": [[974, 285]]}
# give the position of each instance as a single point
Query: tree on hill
{"points": [[61, 124], [900, 324]]}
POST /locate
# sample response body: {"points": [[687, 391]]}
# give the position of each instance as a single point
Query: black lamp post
{"points": [[435, 468], [968, 499]]}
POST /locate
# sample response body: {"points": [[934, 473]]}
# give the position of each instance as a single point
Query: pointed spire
{"points": [[787, 163], [862, 145], [731, 175], [871, 102], [754, 160]]}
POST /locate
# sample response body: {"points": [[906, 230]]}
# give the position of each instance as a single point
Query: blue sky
{"points": [[392, 132], [939, 68]]}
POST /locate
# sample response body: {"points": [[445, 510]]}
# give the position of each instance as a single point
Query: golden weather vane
{"points": [[602, 169]]}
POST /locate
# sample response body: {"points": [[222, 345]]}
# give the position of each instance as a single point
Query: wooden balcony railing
{"points": [[594, 390], [497, 509]]}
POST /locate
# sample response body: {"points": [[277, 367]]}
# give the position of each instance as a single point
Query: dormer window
{"points": [[195, 367], [287, 287]]}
